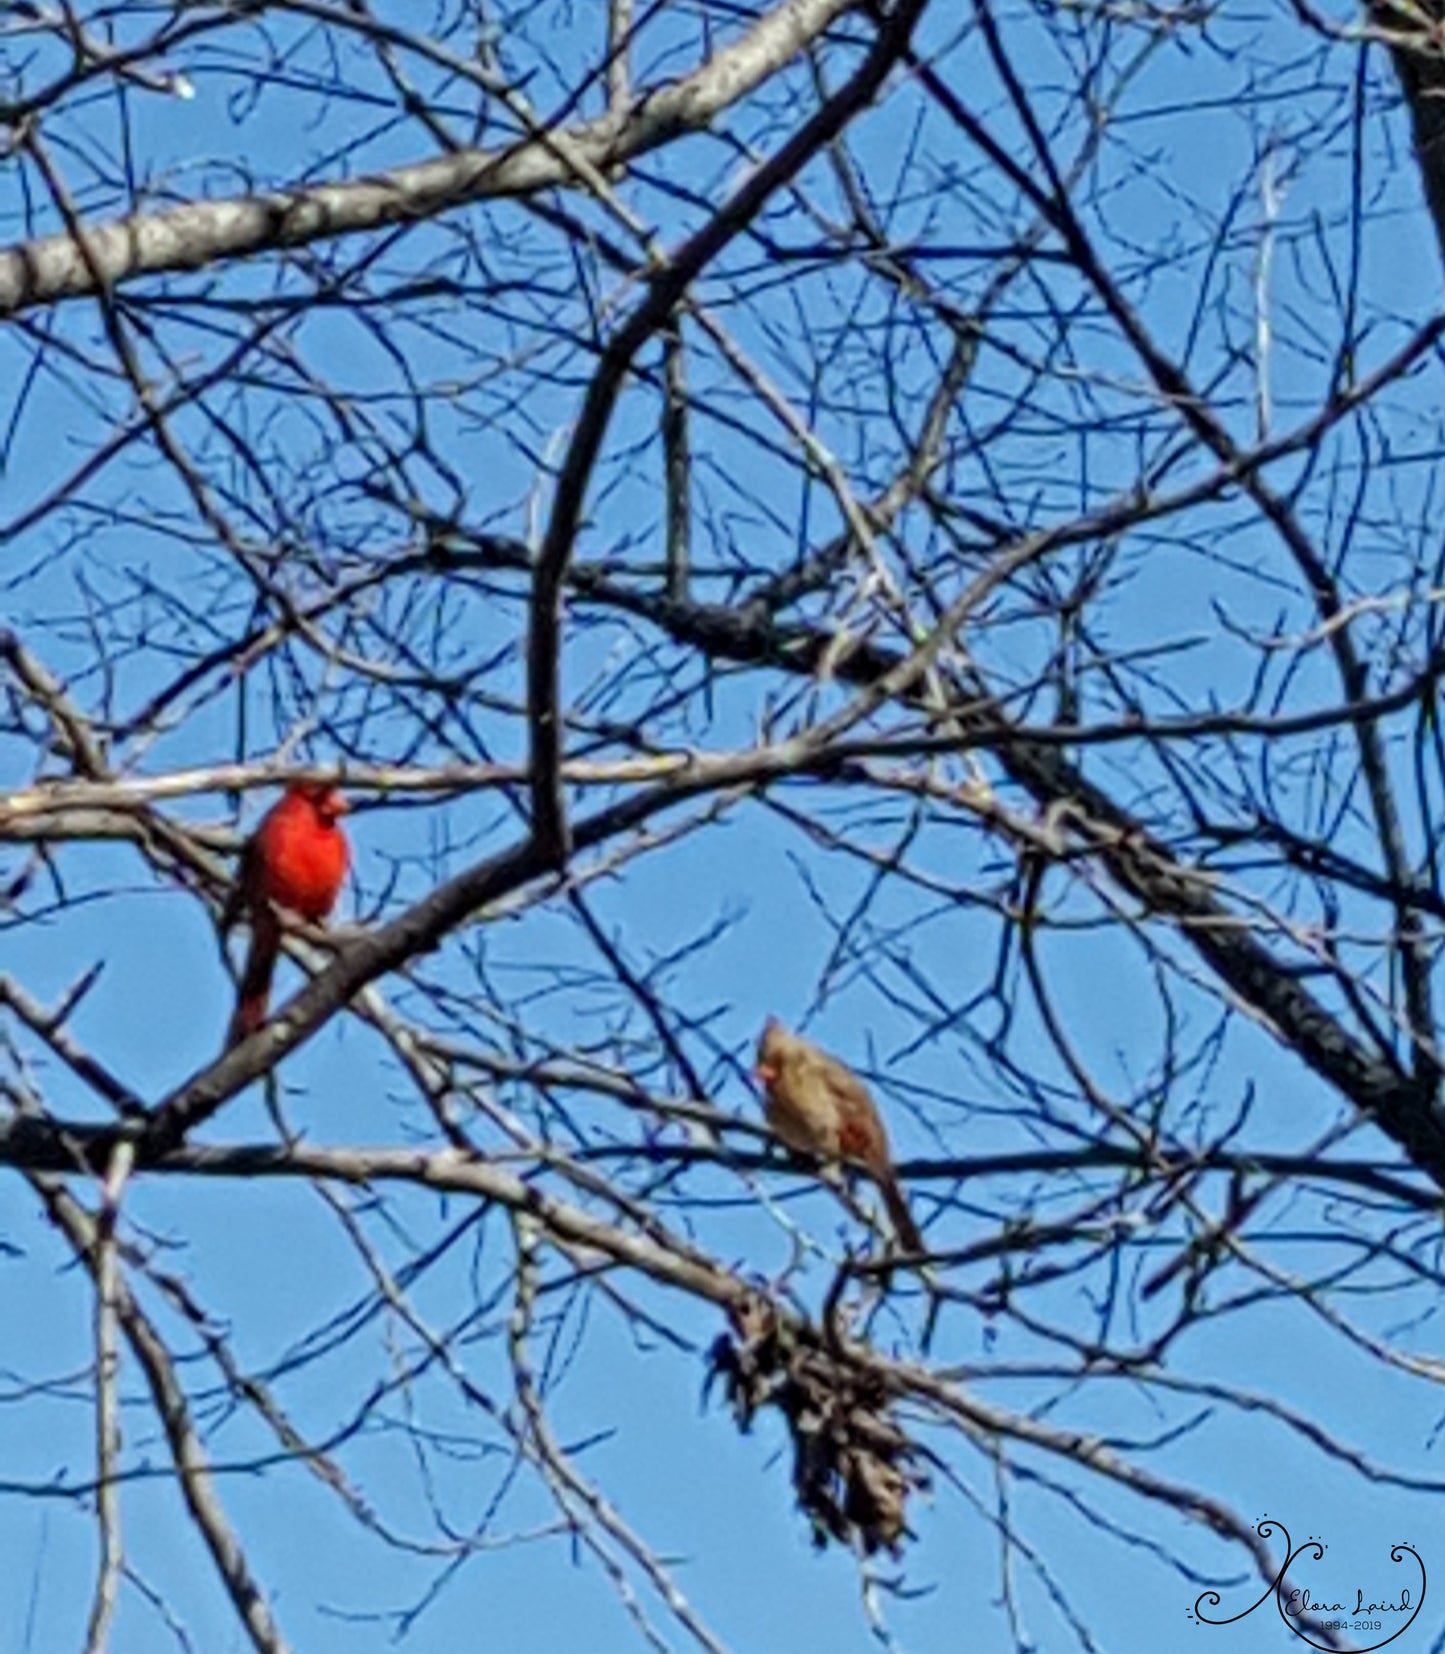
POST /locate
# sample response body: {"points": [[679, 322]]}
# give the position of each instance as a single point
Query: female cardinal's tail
{"points": [[255, 990], [902, 1219]]}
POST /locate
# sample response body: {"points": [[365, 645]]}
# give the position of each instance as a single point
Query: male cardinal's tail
{"points": [[255, 989], [903, 1225]]}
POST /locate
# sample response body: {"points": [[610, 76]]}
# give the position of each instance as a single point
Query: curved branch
{"points": [[544, 655]]}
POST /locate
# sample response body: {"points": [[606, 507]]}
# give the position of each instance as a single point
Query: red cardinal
{"points": [[297, 859], [816, 1104]]}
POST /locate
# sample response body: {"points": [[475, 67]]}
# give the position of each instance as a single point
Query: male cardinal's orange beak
{"points": [[334, 805]]}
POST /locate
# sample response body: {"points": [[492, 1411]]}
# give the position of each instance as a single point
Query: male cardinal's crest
{"points": [[297, 859]]}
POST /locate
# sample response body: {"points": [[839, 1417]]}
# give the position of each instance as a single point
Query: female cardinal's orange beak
{"points": [[767, 1072]]}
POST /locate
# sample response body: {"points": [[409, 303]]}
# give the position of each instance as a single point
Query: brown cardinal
{"points": [[297, 858], [817, 1105]]}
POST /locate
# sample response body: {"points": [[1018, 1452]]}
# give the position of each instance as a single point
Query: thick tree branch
{"points": [[203, 233]]}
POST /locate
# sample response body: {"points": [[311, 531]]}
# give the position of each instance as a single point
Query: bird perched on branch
{"points": [[818, 1105], [296, 859]]}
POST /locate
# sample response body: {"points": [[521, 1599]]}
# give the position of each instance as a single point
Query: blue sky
{"points": [[1172, 202]]}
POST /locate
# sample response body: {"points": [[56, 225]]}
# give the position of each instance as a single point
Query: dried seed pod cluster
{"points": [[854, 1467]]}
